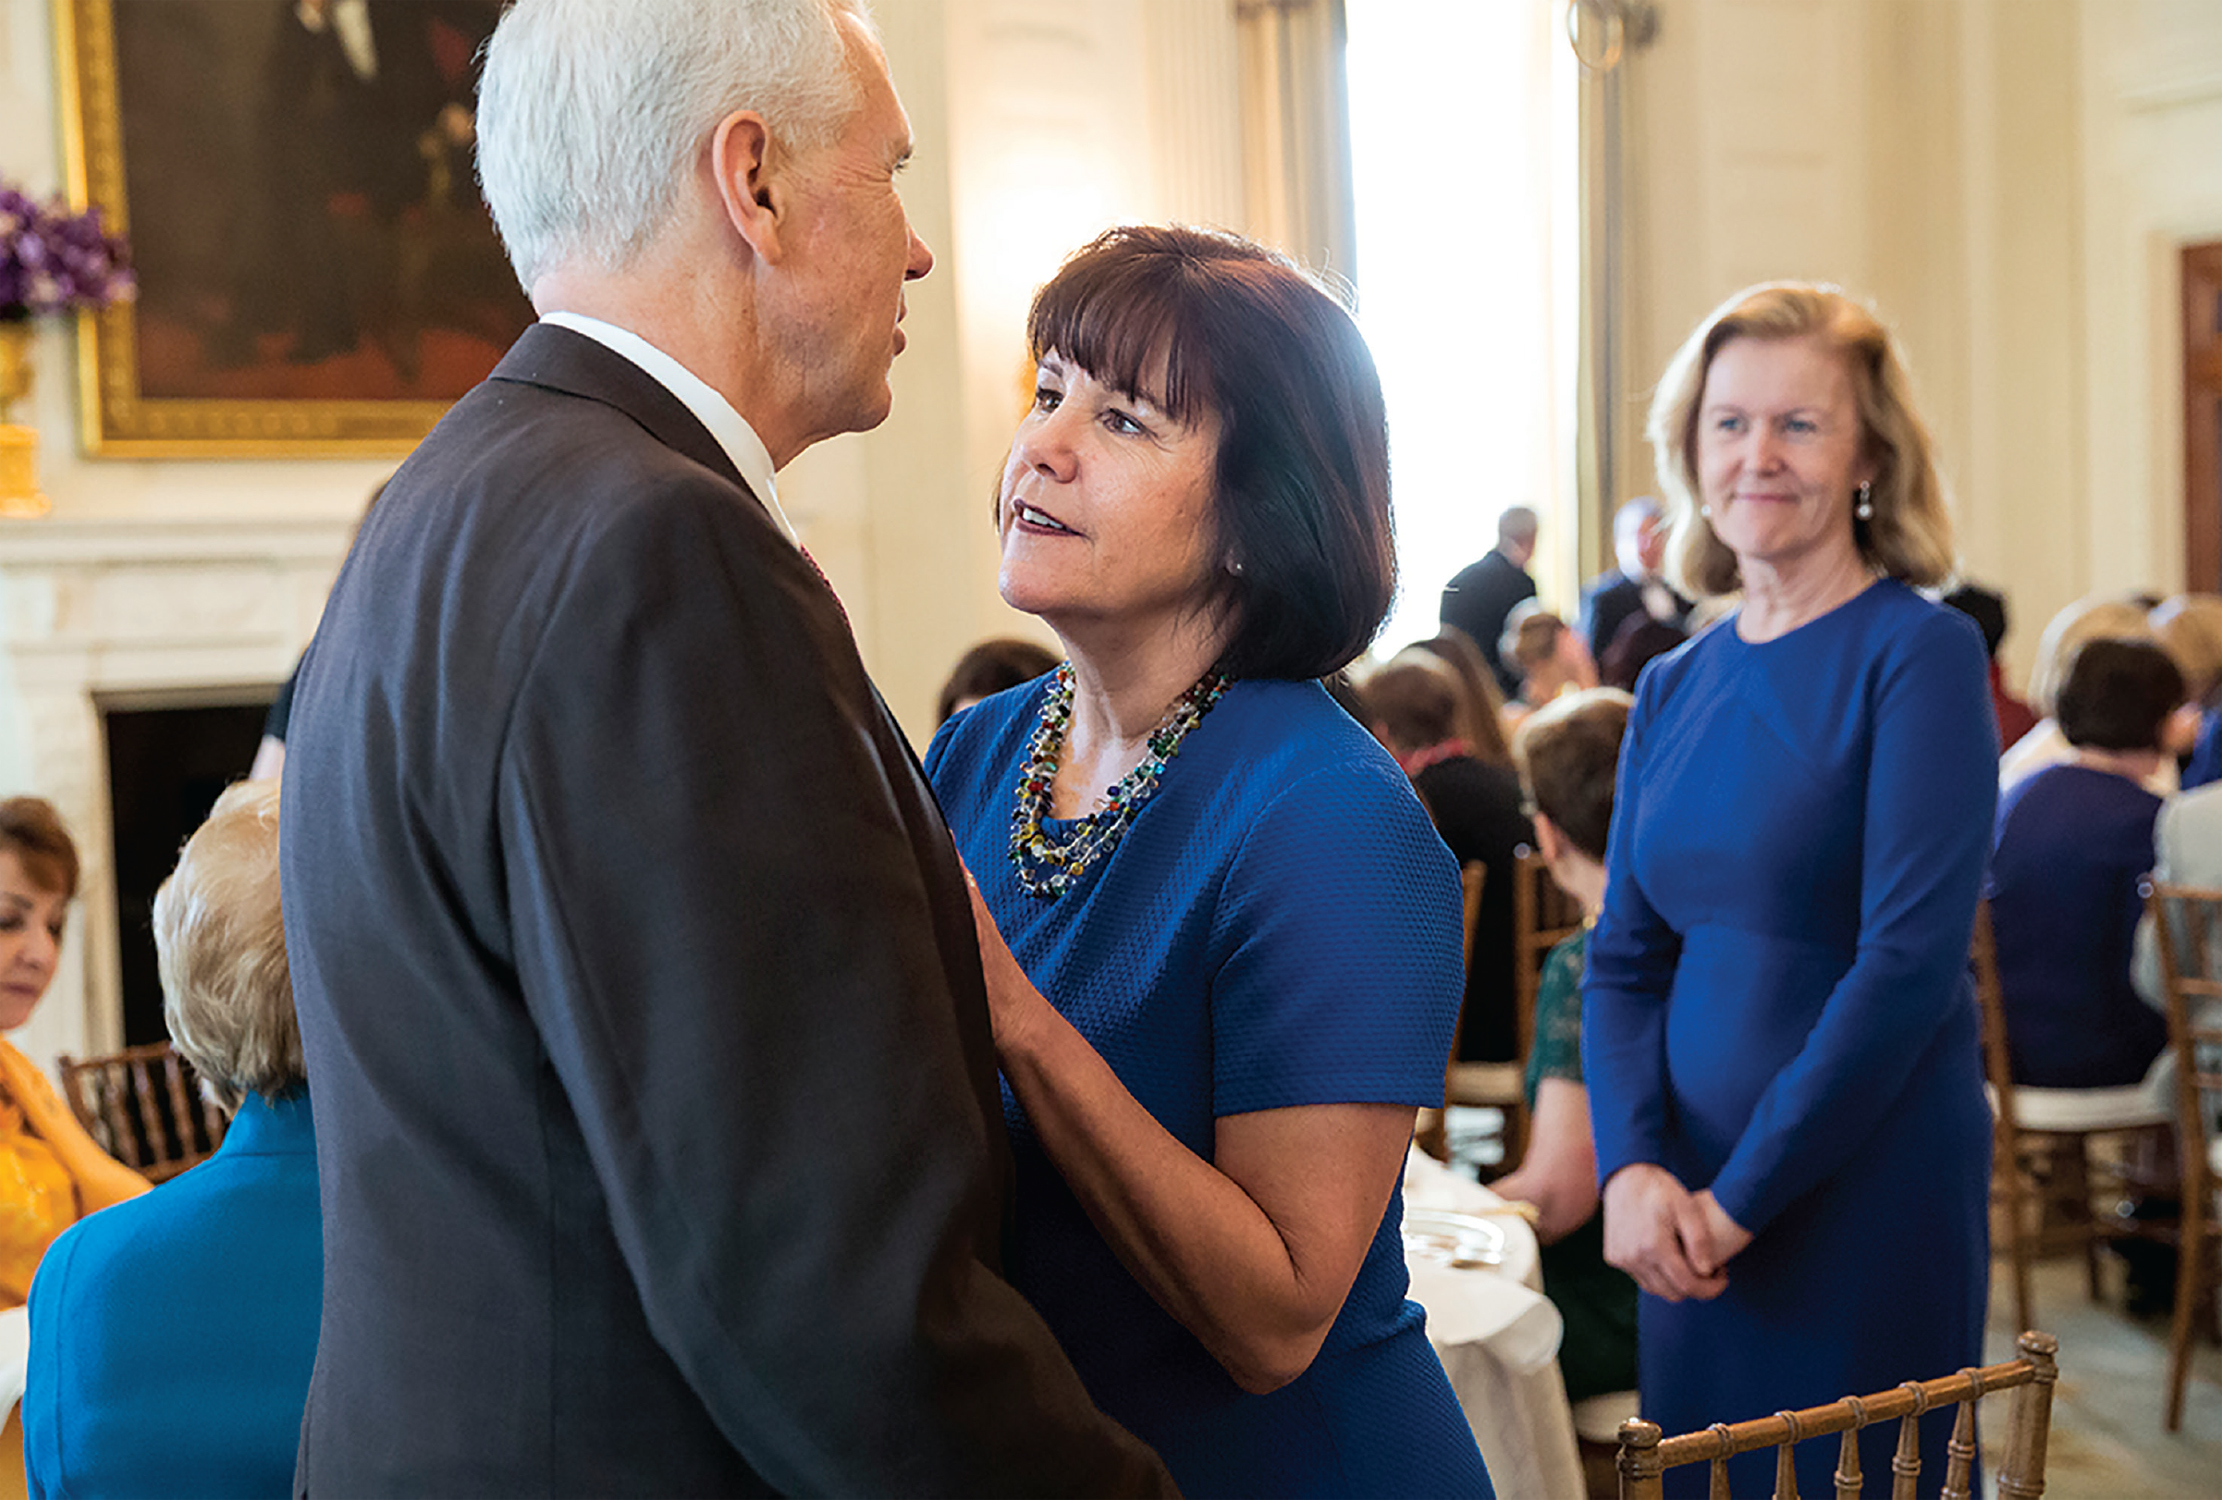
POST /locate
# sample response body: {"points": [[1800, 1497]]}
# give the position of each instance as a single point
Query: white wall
{"points": [[2009, 181]]}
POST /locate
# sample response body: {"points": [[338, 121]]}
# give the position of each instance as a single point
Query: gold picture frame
{"points": [[293, 301]]}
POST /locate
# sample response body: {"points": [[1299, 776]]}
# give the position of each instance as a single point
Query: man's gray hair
{"points": [[591, 113]]}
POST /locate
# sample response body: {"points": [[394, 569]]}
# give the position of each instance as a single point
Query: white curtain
{"points": [[1464, 142]]}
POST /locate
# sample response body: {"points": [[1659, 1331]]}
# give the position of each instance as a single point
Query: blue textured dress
{"points": [[1279, 927], [1778, 1007]]}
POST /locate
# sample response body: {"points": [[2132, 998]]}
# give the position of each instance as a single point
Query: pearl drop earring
{"points": [[1865, 508]]}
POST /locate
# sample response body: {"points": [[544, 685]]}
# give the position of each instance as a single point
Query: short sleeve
{"points": [[1339, 966]]}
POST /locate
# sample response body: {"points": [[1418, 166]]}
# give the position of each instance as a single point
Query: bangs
{"points": [[1117, 307]]}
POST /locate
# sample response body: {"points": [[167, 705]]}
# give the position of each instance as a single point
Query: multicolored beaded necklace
{"points": [[1048, 861]]}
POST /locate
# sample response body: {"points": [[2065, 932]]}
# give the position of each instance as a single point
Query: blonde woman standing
{"points": [[1778, 1034]]}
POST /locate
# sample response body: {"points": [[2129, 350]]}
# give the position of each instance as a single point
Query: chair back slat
{"points": [[1473, 876], [150, 1109], [1786, 1460], [1645, 1454], [1959, 1453], [1905, 1464], [1543, 916], [1849, 1481], [124, 1143]]}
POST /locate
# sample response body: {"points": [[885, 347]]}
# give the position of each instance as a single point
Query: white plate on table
{"points": [[1443, 1238]]}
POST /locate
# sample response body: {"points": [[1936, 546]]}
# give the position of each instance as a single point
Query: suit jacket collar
{"points": [[557, 359]]}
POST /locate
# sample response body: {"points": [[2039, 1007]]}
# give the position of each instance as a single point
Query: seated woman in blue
{"points": [[1233, 959], [2072, 843], [171, 1336]]}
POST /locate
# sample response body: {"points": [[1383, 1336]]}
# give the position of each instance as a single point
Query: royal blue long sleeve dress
{"points": [[1778, 1007], [1278, 927]]}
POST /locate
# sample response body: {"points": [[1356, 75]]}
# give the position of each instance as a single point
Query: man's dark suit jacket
{"points": [[656, 1104], [1477, 602], [1612, 596]]}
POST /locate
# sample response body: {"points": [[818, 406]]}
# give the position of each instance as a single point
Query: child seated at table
{"points": [[1567, 753]]}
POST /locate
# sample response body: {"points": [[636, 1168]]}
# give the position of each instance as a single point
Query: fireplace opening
{"points": [[166, 767]]}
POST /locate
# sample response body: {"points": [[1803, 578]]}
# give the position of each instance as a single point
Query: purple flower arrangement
{"points": [[52, 260]]}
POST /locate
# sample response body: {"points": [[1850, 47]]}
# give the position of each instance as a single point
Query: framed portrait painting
{"points": [[317, 274]]}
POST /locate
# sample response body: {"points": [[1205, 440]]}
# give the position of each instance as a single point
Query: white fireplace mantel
{"points": [[145, 613]]}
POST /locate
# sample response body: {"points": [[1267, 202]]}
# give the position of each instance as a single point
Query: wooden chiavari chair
{"points": [[1645, 1455], [1542, 917], [2044, 1136], [2187, 923], [144, 1106]]}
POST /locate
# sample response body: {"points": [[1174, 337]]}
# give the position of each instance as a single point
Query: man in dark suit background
{"points": [[1481, 597], [657, 1121], [1634, 585]]}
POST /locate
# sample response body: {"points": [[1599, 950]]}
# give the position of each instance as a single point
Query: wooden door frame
{"points": [[2202, 415]]}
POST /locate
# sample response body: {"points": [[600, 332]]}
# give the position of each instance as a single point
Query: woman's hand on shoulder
{"points": [[1653, 1231], [1015, 1007], [28, 1087]]}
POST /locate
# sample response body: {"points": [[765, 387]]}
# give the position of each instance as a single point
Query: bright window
{"points": [[1464, 150]]}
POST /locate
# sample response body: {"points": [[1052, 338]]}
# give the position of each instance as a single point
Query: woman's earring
{"points": [[1234, 566], [1706, 510], [1864, 508]]}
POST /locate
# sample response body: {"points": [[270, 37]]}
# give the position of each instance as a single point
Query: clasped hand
{"points": [[1676, 1244]]}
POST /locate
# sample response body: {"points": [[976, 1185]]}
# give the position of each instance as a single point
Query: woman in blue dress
{"points": [[1233, 937], [1778, 1029]]}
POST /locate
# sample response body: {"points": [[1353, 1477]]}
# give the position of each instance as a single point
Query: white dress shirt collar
{"points": [[729, 427]]}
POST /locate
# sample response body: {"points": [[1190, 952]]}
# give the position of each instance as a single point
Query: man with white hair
{"points": [[1635, 586], [657, 1112]]}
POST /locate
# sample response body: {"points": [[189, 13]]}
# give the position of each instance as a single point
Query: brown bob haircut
{"points": [[34, 833], [1300, 500], [2118, 695], [1569, 753], [1910, 535]]}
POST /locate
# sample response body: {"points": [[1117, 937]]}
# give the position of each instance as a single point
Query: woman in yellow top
{"points": [[51, 1172]]}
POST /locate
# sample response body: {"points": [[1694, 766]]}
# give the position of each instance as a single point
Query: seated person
{"points": [[1639, 641], [171, 1337], [2096, 617], [1412, 707], [1987, 608], [989, 668], [2189, 628], [2071, 842], [1568, 754], [1480, 718], [51, 1172], [1550, 657]]}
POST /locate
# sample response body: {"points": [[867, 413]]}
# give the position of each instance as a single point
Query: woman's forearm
{"points": [[1259, 1293], [1559, 1172]]}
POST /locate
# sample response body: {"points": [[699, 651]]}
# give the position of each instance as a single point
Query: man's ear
{"points": [[753, 193]]}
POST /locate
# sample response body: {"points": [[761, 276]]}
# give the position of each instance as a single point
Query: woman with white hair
{"points": [[2095, 617], [171, 1336]]}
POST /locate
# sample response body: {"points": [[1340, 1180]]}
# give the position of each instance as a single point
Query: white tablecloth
{"points": [[1498, 1336]]}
